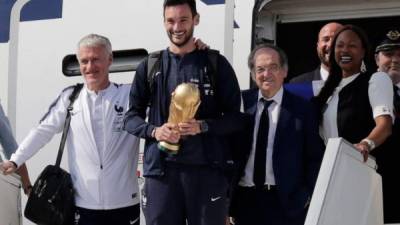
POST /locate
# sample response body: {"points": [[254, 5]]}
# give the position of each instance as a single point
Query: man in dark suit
{"points": [[281, 150], [325, 37], [387, 57]]}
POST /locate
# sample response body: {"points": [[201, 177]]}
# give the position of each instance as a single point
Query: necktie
{"points": [[261, 146]]}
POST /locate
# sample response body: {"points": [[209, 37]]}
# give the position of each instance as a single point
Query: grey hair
{"points": [[95, 40], [283, 60]]}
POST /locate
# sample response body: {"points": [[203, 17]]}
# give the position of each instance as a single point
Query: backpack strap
{"points": [[153, 66], [212, 66], [74, 95]]}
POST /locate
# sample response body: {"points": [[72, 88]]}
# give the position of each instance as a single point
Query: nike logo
{"points": [[131, 222], [215, 199]]}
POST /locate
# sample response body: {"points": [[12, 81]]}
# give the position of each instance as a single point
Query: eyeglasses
{"points": [[271, 68]]}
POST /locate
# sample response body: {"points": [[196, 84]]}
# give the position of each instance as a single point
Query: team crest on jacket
{"points": [[119, 118], [118, 109]]}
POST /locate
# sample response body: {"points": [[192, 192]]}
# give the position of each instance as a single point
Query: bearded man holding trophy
{"points": [[186, 151], [184, 104]]}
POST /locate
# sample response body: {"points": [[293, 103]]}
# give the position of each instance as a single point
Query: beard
{"points": [[184, 40], [324, 58]]}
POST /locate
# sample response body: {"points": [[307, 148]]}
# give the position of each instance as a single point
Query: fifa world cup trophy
{"points": [[185, 101]]}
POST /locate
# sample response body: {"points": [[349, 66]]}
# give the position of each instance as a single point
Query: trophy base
{"points": [[168, 147]]}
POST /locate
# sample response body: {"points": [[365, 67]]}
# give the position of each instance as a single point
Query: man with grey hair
{"points": [[102, 156], [281, 148]]}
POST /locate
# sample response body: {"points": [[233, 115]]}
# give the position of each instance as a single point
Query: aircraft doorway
{"points": [[299, 40]]}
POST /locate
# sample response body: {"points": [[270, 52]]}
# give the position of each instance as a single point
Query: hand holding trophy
{"points": [[185, 101]]}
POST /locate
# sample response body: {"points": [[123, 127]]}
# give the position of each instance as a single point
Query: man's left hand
{"points": [[200, 44], [192, 127], [363, 148]]}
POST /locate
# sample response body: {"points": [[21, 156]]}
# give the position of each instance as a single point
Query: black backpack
{"points": [[154, 62]]}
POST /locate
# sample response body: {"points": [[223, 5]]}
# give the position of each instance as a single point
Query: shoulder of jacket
{"points": [[296, 102], [68, 89], [249, 95], [66, 92], [155, 54], [304, 77], [122, 88], [381, 76], [249, 91], [213, 52]]}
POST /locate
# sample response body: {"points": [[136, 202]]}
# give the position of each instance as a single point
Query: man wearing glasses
{"points": [[282, 155]]}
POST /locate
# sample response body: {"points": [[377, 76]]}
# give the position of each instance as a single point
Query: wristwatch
{"points": [[153, 132], [203, 126], [370, 143]]}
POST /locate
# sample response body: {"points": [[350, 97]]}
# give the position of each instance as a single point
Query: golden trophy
{"points": [[185, 101]]}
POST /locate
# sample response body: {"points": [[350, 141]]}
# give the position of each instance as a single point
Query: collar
{"points": [[324, 73], [277, 98], [103, 92], [171, 54], [348, 79]]}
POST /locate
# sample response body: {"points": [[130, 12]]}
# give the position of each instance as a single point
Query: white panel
{"points": [[10, 198], [348, 191]]}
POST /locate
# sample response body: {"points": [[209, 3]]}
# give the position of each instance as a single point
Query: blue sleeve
{"points": [[302, 89], [139, 98], [7, 139]]}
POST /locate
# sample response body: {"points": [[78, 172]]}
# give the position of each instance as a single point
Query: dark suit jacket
{"points": [[387, 157], [307, 77], [298, 151]]}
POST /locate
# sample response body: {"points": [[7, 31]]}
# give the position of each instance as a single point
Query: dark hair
{"points": [[190, 3], [335, 72], [283, 60]]}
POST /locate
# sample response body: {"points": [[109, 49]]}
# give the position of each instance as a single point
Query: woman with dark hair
{"points": [[355, 104]]}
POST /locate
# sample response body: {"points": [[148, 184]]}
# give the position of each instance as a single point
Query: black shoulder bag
{"points": [[51, 201]]}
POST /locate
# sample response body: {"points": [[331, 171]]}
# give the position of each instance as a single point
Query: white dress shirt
{"points": [[324, 73], [273, 116], [398, 90], [380, 94]]}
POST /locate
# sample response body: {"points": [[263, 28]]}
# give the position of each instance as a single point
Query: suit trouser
{"points": [[261, 207], [193, 194], [121, 216], [390, 188]]}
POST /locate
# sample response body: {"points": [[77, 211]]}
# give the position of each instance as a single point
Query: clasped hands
{"points": [[7, 167], [172, 132]]}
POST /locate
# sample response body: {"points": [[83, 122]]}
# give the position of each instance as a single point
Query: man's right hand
{"points": [[167, 132], [7, 167]]}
